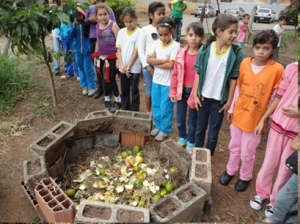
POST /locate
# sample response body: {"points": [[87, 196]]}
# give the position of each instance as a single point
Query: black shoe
{"points": [[56, 73], [241, 185], [97, 94], [102, 98], [225, 178], [115, 107], [107, 105]]}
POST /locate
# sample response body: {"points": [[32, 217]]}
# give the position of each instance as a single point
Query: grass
{"points": [[14, 80]]}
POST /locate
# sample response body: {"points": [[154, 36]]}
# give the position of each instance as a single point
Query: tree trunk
{"points": [[7, 45], [53, 92]]}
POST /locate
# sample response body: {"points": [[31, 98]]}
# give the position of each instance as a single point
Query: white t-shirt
{"points": [[54, 33], [127, 42], [278, 29], [147, 37], [162, 76], [215, 73]]}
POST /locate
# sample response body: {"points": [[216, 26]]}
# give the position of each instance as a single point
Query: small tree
{"points": [[29, 26]]}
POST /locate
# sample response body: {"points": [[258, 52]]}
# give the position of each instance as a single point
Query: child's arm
{"points": [[250, 31], [174, 83], [167, 65], [235, 97], [227, 105], [120, 61], [152, 60], [294, 144], [131, 61], [115, 28], [196, 87]]}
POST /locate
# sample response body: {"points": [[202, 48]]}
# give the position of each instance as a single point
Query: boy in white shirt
{"points": [[279, 29]]}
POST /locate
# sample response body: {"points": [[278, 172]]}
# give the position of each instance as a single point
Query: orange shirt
{"points": [[255, 93]]}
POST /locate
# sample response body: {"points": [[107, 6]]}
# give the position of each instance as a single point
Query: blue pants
{"points": [[86, 70], [178, 26], [286, 201], [148, 81], [209, 112], [162, 107], [67, 45], [181, 117], [57, 47]]}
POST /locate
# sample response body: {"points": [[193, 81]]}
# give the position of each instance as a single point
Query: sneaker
{"points": [[115, 107], [85, 91], [267, 220], [56, 72], [97, 94], [103, 98], [160, 137], [91, 92], [107, 105], [190, 147], [269, 211], [64, 77], [77, 78], [182, 142], [256, 202], [154, 132]]}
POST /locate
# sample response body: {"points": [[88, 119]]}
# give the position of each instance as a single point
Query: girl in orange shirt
{"points": [[259, 77]]}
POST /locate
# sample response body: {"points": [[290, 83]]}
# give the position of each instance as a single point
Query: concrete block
{"points": [[98, 122], [184, 205], [200, 171], [90, 211], [54, 203], [177, 156], [79, 147], [34, 170], [132, 122], [106, 140], [62, 129]]}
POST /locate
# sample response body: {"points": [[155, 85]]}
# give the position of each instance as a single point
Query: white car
{"points": [[265, 15], [209, 11], [236, 11]]}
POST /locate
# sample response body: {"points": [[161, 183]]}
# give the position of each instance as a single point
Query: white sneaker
{"points": [[266, 220], [256, 202], [154, 132], [160, 137], [85, 91], [91, 92], [269, 211]]}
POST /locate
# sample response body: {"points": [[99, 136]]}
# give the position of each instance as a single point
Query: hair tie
{"points": [[164, 24], [212, 33]]}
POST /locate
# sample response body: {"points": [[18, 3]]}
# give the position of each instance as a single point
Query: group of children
{"points": [[210, 80]]}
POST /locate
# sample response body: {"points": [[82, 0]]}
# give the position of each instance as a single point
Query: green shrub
{"points": [[118, 6], [13, 83]]}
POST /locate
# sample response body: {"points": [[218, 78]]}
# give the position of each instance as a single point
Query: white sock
{"points": [[118, 99], [107, 98]]}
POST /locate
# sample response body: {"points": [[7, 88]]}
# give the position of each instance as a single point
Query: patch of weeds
{"points": [[44, 109], [14, 80], [36, 219], [39, 129]]}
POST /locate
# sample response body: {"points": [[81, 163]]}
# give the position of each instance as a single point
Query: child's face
{"points": [[164, 34], [228, 35], [262, 52], [129, 22], [282, 22], [159, 12], [246, 19], [193, 40], [102, 16]]}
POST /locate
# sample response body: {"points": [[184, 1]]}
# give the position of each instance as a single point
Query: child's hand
{"points": [[259, 128], [229, 117], [197, 102], [284, 28], [128, 72], [291, 111], [225, 107], [173, 99], [150, 69], [123, 69]]}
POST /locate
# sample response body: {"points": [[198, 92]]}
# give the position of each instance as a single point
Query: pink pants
{"points": [[278, 150], [242, 146]]}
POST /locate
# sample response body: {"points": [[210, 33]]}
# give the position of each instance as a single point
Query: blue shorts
{"points": [[148, 81]]}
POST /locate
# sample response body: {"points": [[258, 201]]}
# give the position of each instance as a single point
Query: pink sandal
{"points": [[65, 77], [77, 79]]}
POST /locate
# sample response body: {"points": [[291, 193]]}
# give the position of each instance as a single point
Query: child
{"points": [[129, 63], [217, 65], [107, 32], [162, 56], [147, 37], [244, 30], [259, 77], [182, 80], [283, 129], [81, 45], [279, 29]]}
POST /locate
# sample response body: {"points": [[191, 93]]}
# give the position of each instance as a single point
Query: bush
{"points": [[118, 6], [13, 82]]}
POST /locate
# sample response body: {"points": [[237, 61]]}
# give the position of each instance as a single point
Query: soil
{"points": [[60, 129], [45, 141], [165, 208], [90, 211], [126, 216], [186, 195], [228, 205], [201, 171], [201, 156], [34, 167]]}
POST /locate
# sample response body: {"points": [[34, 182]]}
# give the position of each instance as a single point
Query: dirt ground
{"points": [[228, 205]]}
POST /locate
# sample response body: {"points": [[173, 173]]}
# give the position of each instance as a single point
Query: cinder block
{"points": [[33, 202], [90, 211], [54, 203], [132, 122], [200, 171], [62, 129], [177, 155], [184, 205], [34, 170], [106, 140], [98, 122], [133, 139], [79, 147]]}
